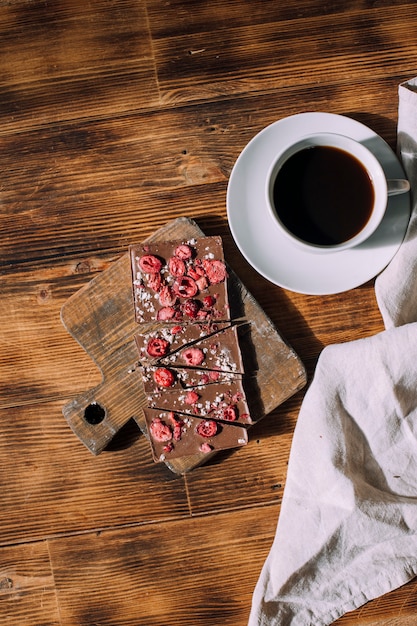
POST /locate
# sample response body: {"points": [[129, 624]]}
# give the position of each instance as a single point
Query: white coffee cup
{"points": [[328, 192]]}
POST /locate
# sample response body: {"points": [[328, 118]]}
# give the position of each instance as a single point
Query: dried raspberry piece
{"points": [[195, 271], [202, 283], [214, 375], [166, 313], [167, 297], [150, 264], [215, 270], [154, 282], [193, 356], [163, 377], [176, 424], [185, 287], [176, 329], [157, 347], [230, 413], [209, 301], [176, 266], [168, 447], [191, 308], [191, 397], [207, 428], [183, 251], [205, 447], [159, 430]]}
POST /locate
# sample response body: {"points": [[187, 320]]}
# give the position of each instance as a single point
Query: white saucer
{"points": [[269, 252]]}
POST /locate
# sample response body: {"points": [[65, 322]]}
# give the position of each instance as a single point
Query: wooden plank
{"points": [[55, 487], [199, 65], [94, 187], [27, 587], [100, 317], [73, 60], [193, 572], [188, 17], [196, 572]]}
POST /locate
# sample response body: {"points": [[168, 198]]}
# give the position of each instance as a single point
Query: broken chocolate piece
{"points": [[224, 402], [183, 377], [219, 352], [157, 342], [173, 436]]}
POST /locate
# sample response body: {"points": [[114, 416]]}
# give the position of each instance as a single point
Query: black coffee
{"points": [[323, 195]]}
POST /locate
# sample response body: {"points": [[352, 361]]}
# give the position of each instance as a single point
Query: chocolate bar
{"points": [[172, 436], [180, 280], [223, 401], [158, 377], [219, 352], [157, 342]]}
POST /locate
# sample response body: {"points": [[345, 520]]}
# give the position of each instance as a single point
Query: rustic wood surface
{"points": [[117, 116]]}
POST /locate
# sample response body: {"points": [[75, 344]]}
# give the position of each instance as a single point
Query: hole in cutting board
{"points": [[94, 413]]}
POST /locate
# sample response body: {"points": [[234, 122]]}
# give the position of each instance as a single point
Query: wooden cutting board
{"points": [[100, 317]]}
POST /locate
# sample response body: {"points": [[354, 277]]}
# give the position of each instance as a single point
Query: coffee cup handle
{"points": [[397, 186]]}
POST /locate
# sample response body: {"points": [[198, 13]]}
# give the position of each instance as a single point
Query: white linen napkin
{"points": [[347, 530]]}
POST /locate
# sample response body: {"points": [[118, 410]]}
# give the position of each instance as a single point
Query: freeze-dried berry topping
{"points": [[193, 356], [207, 428], [191, 397], [202, 283], [157, 347], [176, 329], [164, 377], [205, 447], [154, 282], [209, 301], [215, 270], [176, 266], [160, 431], [167, 297], [150, 264], [229, 413], [176, 426], [185, 287], [183, 251], [196, 271], [166, 313], [191, 308]]}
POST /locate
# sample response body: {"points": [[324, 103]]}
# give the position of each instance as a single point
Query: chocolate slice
{"points": [[158, 378], [219, 352], [173, 436], [165, 339], [225, 402], [180, 280]]}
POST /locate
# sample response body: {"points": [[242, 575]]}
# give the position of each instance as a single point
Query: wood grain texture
{"points": [[27, 586], [144, 577], [117, 116]]}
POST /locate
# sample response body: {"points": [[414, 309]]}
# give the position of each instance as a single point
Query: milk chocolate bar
{"points": [[157, 378], [223, 401], [219, 352], [180, 280], [165, 339], [173, 436]]}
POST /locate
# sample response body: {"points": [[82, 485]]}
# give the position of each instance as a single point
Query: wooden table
{"points": [[117, 116]]}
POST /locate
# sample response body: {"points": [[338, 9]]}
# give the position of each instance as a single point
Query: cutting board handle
{"points": [[97, 415]]}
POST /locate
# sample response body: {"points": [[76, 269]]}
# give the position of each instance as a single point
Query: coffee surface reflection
{"points": [[323, 195]]}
